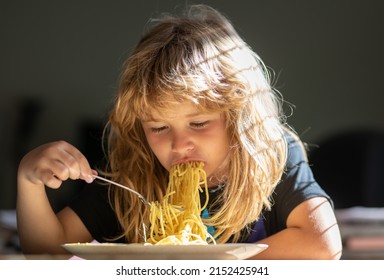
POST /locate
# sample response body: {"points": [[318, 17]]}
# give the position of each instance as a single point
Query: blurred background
{"points": [[60, 62]]}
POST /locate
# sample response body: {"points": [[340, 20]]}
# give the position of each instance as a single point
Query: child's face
{"points": [[187, 134]]}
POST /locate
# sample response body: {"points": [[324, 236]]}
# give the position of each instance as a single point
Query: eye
{"points": [[158, 129], [199, 124]]}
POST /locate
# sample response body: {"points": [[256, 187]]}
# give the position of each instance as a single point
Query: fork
{"points": [[124, 187]]}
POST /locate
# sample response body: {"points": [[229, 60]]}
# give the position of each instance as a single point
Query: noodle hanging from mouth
{"points": [[176, 220]]}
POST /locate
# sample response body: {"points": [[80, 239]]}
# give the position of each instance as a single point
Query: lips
{"points": [[186, 160]]}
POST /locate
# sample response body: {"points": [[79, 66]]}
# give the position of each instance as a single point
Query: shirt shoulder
{"points": [[95, 211], [297, 185]]}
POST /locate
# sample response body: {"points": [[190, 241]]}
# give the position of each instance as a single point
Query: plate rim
{"points": [[233, 250]]}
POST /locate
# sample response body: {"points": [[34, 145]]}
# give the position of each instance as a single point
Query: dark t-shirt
{"points": [[297, 185]]}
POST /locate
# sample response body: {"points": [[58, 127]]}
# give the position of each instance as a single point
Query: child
{"points": [[192, 90]]}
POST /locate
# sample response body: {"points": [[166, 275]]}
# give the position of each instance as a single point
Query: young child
{"points": [[192, 90]]}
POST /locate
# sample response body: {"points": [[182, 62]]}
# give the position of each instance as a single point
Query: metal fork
{"points": [[124, 187]]}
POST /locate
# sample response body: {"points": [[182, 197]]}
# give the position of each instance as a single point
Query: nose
{"points": [[182, 142]]}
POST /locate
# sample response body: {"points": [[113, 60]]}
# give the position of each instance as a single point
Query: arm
{"points": [[312, 233], [40, 229]]}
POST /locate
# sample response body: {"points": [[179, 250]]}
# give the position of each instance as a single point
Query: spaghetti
{"points": [[175, 220]]}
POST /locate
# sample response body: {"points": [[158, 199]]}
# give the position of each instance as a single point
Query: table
{"points": [[34, 257]]}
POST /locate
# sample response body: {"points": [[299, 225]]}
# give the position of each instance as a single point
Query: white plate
{"points": [[232, 251]]}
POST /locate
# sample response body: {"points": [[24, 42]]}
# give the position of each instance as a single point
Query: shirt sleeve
{"points": [[297, 185], [93, 208]]}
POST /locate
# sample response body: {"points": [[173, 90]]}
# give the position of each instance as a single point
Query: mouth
{"points": [[187, 160]]}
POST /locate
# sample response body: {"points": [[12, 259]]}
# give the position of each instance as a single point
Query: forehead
{"points": [[176, 110]]}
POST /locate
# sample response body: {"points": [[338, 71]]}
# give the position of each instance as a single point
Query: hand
{"points": [[53, 163]]}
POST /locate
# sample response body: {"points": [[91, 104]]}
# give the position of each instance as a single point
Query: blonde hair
{"points": [[197, 57]]}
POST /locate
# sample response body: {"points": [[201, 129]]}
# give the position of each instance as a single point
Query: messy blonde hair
{"points": [[200, 58]]}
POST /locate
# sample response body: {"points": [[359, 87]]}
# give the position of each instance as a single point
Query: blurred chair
{"points": [[350, 168]]}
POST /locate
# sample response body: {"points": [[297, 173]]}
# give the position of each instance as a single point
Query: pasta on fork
{"points": [[176, 220]]}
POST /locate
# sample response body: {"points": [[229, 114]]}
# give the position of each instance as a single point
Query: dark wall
{"points": [[60, 61]]}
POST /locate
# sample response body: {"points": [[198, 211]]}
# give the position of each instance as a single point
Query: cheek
{"points": [[151, 141], [158, 146], [218, 148]]}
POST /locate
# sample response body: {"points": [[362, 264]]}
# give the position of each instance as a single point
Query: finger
{"points": [[50, 180], [54, 157], [70, 166], [57, 168], [80, 158], [76, 162], [87, 178]]}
